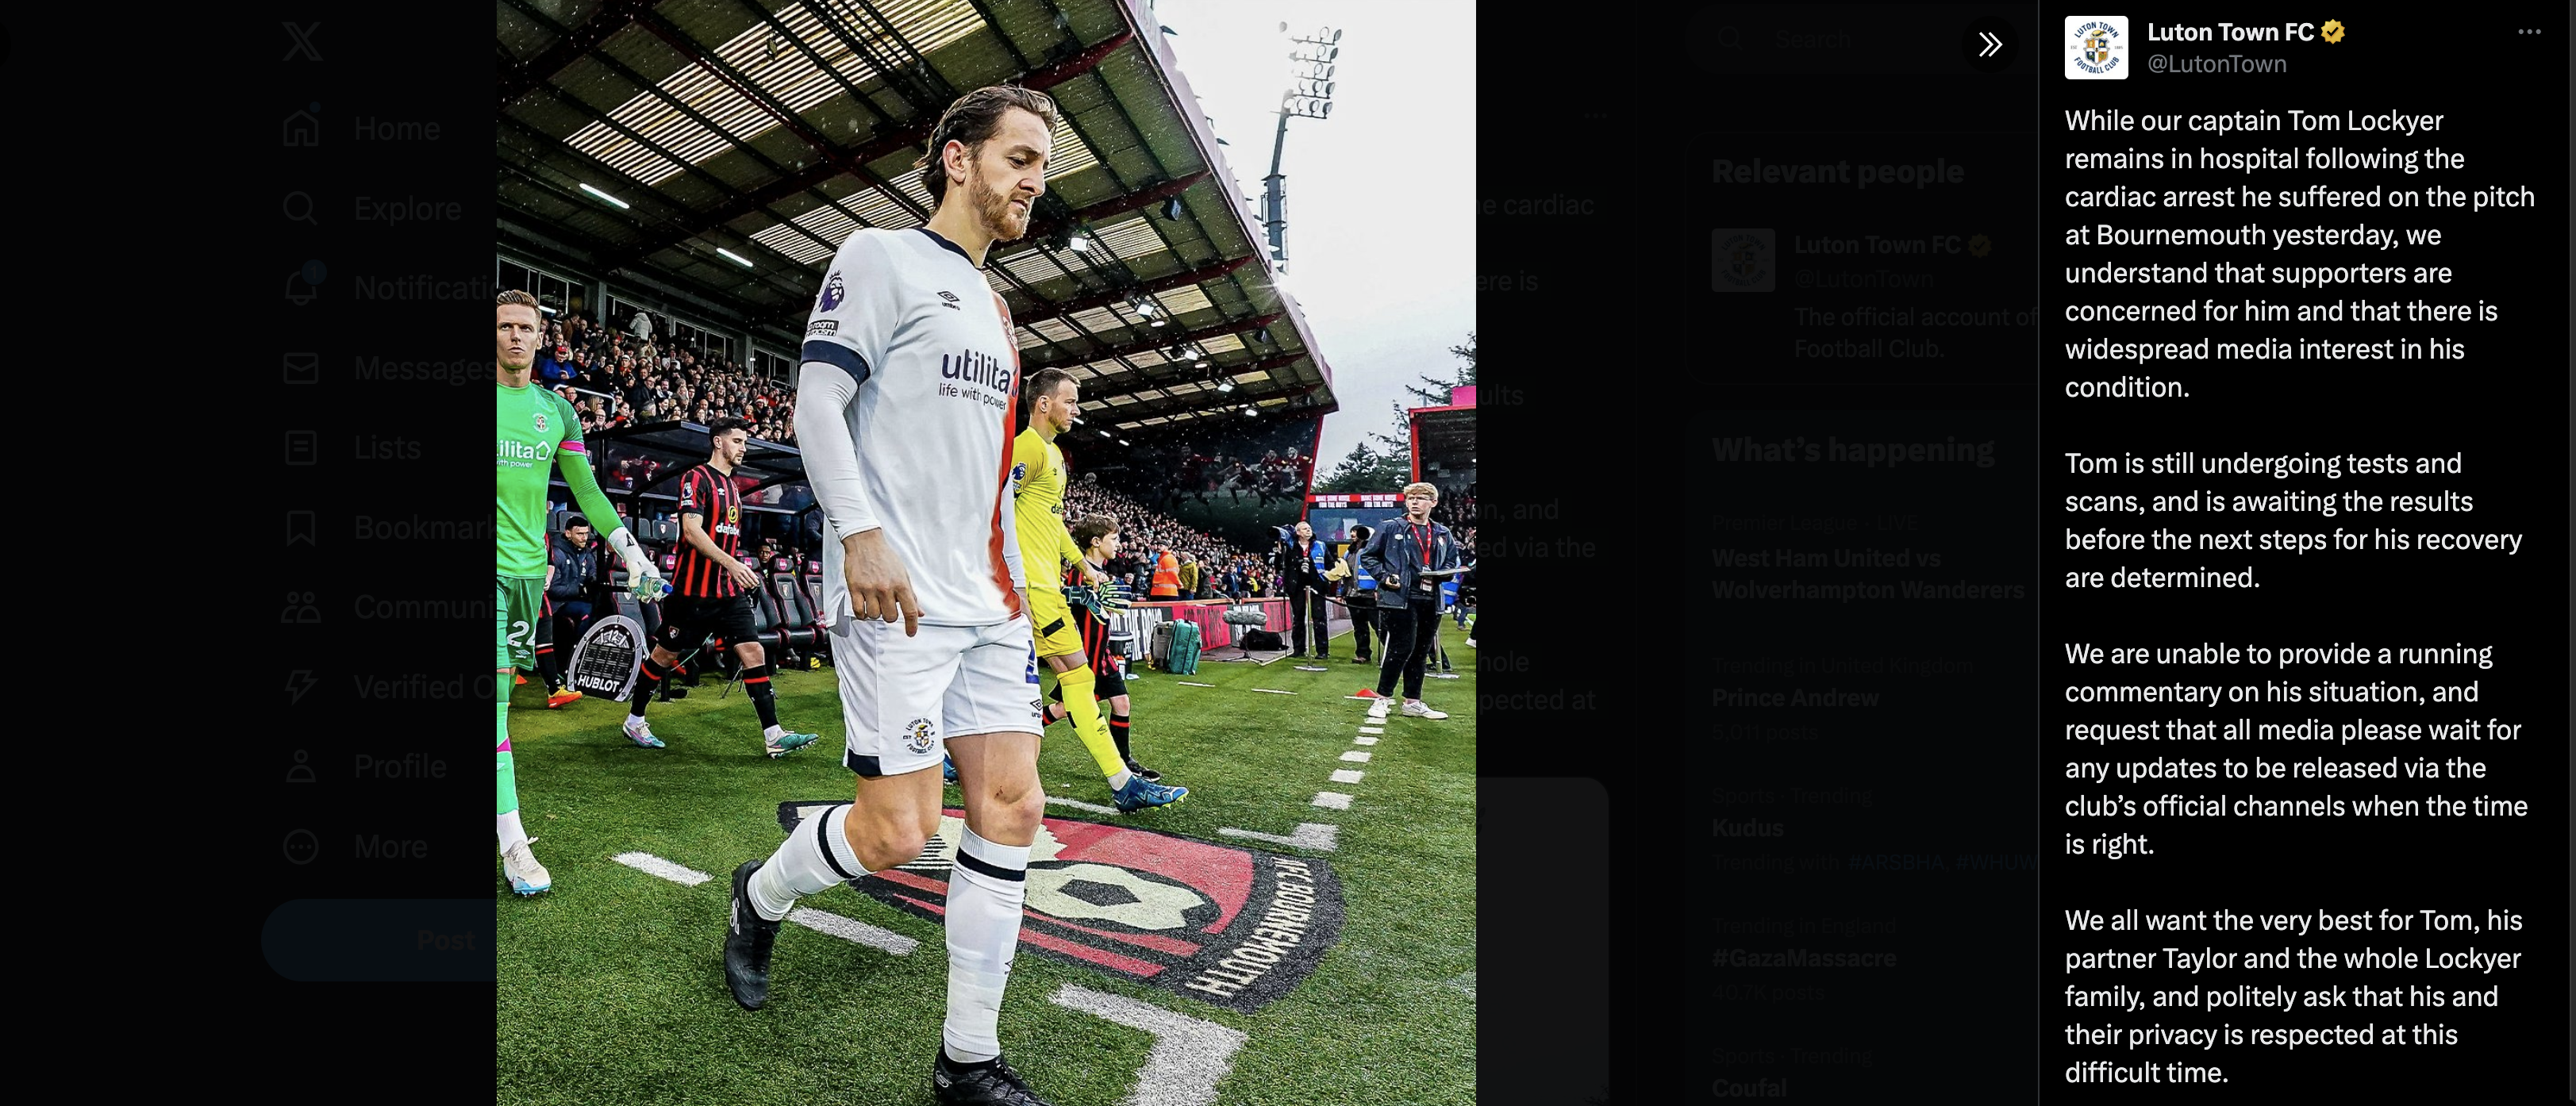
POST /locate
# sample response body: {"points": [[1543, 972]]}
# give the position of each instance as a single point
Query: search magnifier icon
{"points": [[1729, 38], [299, 207]]}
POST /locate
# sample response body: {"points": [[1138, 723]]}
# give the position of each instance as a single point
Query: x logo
{"points": [[303, 37]]}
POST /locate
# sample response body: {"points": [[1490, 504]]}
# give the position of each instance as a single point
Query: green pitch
{"points": [[611, 989]]}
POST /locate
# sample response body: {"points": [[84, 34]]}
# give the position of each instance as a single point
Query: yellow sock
{"points": [[1087, 722]]}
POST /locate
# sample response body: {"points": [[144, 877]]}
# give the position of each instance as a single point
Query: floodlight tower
{"points": [[1309, 96]]}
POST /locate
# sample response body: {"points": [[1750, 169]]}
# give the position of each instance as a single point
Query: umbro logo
{"points": [[951, 297]]}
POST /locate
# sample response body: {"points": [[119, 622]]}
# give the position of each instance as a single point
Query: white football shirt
{"points": [[908, 320]]}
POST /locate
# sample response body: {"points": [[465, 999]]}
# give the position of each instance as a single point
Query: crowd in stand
{"points": [[1457, 511], [640, 380], [615, 378], [1207, 566]]}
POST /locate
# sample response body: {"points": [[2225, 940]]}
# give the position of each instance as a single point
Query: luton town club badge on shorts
{"points": [[1227, 926], [2097, 47], [916, 736]]}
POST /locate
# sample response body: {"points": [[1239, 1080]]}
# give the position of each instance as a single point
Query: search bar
{"points": [[1843, 39]]}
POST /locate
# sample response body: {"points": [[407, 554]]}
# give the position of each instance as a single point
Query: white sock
{"points": [[771, 734], [1119, 781], [512, 834], [985, 892], [634, 722], [814, 857]]}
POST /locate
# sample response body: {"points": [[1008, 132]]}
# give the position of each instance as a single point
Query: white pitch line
{"points": [[652, 865], [1309, 835], [1186, 683], [1355, 756], [847, 929], [1372, 729], [1273, 692], [1189, 1058], [1333, 800], [1360, 698], [853, 930], [1363, 739], [1078, 804], [1346, 775]]}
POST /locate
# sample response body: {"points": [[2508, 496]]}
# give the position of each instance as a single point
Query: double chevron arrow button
{"points": [[1989, 45]]}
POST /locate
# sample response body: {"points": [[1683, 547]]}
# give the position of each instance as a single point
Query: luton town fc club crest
{"points": [[2097, 47], [1745, 260], [1228, 926]]}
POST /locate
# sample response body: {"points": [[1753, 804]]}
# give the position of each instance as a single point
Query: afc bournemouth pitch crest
{"points": [[1231, 927]]}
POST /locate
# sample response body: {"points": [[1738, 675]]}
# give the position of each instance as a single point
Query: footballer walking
{"points": [[1047, 553], [904, 411], [714, 594], [539, 433]]}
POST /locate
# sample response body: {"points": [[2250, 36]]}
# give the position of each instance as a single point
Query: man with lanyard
{"points": [[1409, 557], [1301, 578]]}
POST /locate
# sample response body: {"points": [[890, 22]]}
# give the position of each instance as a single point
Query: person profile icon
{"points": [[301, 773], [300, 609]]}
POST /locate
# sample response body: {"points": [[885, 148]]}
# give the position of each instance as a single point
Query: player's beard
{"points": [[1001, 220]]}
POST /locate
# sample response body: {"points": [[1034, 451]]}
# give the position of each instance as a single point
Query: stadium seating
{"points": [[797, 626], [782, 631]]}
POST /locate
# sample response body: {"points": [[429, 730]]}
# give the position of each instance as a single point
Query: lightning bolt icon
{"points": [[297, 683]]}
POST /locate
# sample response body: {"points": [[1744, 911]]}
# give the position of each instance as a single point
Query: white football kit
{"points": [[904, 409]]}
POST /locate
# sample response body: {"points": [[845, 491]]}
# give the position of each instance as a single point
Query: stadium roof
{"points": [[1446, 435], [738, 142]]}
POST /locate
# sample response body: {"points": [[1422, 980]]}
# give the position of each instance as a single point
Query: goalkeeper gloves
{"points": [[642, 578]]}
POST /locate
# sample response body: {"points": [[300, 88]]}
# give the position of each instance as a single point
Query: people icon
{"points": [[301, 773], [300, 608]]}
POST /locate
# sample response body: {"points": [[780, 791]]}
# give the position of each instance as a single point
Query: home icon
{"points": [[302, 129]]}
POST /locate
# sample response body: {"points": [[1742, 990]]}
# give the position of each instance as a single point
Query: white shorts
{"points": [[903, 697]]}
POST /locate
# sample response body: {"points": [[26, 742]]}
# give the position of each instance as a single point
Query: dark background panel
{"points": [[1857, 271], [1576, 548], [398, 516], [2500, 409]]}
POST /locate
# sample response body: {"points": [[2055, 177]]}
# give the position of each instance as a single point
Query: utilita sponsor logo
{"points": [[971, 367], [521, 454], [1227, 926]]}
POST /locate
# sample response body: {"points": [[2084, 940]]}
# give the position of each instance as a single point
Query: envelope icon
{"points": [[303, 368]]}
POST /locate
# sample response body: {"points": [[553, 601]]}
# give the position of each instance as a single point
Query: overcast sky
{"points": [[1381, 197]]}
